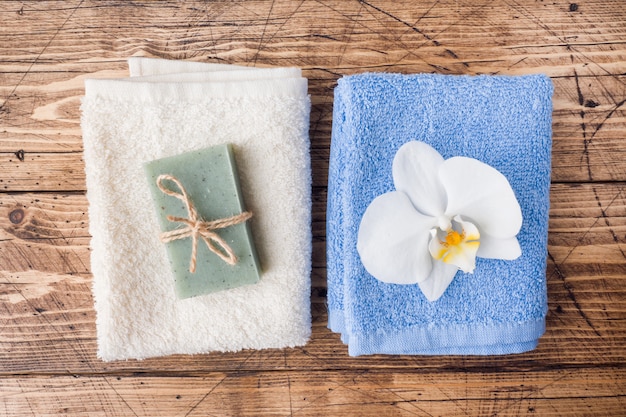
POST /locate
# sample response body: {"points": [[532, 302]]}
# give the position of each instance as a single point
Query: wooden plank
{"points": [[64, 171], [40, 113], [587, 136], [48, 319], [56, 334], [585, 221], [572, 392]]}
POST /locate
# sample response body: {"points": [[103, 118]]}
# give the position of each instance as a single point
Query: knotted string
{"points": [[197, 227]]}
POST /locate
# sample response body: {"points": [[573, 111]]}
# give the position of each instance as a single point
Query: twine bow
{"points": [[197, 227]]}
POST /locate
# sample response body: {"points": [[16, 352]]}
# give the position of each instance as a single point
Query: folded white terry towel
{"points": [[173, 108], [139, 66]]}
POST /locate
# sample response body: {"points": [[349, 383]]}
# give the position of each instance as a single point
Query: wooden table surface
{"points": [[48, 363]]}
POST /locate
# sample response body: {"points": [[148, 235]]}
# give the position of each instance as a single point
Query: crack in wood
{"points": [[410, 26], [570, 294], [608, 116], [605, 217], [581, 101]]}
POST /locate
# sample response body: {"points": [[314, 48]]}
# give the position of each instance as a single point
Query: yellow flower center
{"points": [[453, 238], [456, 245]]}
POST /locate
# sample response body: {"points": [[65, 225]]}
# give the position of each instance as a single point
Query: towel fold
{"points": [[504, 121], [168, 108]]}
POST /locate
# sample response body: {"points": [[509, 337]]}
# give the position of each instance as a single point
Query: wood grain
{"points": [[328, 393], [48, 363]]}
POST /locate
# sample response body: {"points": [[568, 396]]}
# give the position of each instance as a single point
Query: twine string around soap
{"points": [[196, 227]]}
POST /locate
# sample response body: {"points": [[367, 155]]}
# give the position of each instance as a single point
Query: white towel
{"points": [[264, 113], [155, 66]]}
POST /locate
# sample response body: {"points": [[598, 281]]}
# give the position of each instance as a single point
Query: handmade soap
{"points": [[211, 184]]}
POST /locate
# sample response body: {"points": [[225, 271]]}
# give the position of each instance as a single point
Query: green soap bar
{"points": [[210, 179]]}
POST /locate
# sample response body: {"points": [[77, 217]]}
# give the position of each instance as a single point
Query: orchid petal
{"points": [[495, 248], [393, 240], [415, 172], [440, 278], [436, 246], [482, 194], [468, 228], [463, 256]]}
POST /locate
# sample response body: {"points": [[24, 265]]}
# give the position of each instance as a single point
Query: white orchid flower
{"points": [[443, 214]]}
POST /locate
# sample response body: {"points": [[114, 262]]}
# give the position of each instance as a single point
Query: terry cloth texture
{"points": [[264, 113], [504, 121]]}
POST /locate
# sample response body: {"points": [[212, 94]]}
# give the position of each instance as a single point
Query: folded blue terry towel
{"points": [[503, 121]]}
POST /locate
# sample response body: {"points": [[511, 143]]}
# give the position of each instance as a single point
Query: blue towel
{"points": [[504, 121]]}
